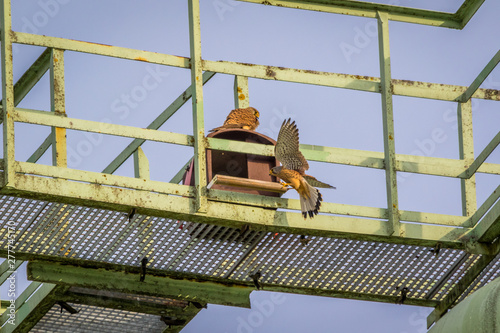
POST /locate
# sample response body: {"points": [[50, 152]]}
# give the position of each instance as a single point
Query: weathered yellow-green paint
{"points": [[200, 161], [141, 164], [58, 106], [95, 48], [52, 119], [456, 20], [7, 91], [466, 153], [480, 78], [163, 285], [241, 98], [230, 215], [388, 123]]}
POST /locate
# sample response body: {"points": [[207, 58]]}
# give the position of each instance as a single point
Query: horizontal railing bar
{"points": [[347, 81], [231, 215], [52, 119], [103, 179], [367, 9], [101, 49], [405, 163], [335, 208]]}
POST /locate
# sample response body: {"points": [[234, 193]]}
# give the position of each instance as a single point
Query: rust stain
{"points": [[239, 89], [311, 71], [141, 59], [270, 72], [390, 137], [241, 96], [91, 43], [491, 94]]}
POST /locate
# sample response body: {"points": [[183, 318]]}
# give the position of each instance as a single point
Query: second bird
{"points": [[293, 167], [247, 118]]}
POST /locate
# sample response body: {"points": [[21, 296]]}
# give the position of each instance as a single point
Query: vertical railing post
{"points": [[241, 92], [141, 164], [466, 148], [388, 124], [58, 106], [200, 164], [7, 93]]}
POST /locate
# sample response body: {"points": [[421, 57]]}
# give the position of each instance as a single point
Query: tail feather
{"points": [[310, 205]]}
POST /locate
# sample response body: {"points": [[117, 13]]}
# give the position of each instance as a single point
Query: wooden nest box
{"points": [[239, 172]]}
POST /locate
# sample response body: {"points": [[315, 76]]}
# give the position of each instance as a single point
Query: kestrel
{"points": [[247, 118], [293, 167]]}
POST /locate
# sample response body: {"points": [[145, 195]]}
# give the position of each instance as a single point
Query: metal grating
{"points": [[324, 263], [97, 319]]}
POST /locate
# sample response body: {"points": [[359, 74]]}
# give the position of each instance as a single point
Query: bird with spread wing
{"points": [[247, 118], [293, 167]]}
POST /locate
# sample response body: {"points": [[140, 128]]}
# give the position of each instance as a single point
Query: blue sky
{"points": [[134, 93]]}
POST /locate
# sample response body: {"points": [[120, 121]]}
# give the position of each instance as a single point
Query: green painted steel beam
{"points": [[369, 9], [241, 96], [459, 288], [7, 90], [32, 310], [347, 81], [7, 268], [56, 265], [467, 10], [478, 313], [357, 82], [141, 164], [231, 215], [100, 49], [105, 299], [480, 78], [336, 208], [25, 303], [405, 163], [29, 79], [126, 279], [487, 204], [200, 164], [230, 197], [58, 106], [180, 174], [488, 229], [102, 179], [466, 153], [388, 124], [38, 153], [52, 119], [490, 147], [156, 124]]}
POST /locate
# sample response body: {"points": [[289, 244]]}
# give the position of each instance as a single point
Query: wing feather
{"points": [[287, 148]]}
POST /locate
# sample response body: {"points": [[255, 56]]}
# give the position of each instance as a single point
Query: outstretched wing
{"points": [[287, 148], [316, 183]]}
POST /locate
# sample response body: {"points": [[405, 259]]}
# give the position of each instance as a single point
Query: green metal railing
{"points": [[474, 231], [195, 203]]}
